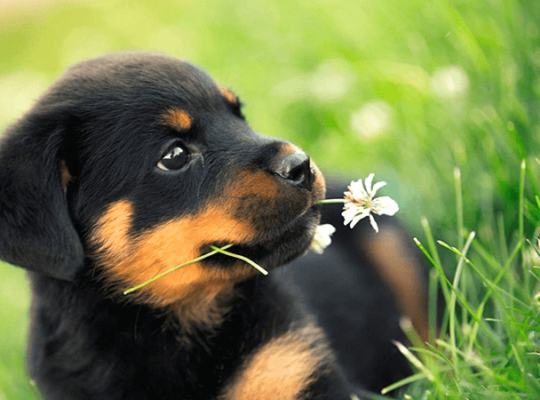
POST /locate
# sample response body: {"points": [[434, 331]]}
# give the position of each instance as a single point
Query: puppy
{"points": [[134, 163]]}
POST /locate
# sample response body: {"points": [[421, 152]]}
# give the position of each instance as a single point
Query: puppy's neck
{"points": [[204, 308]]}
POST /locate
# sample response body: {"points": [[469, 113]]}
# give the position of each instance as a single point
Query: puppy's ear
{"points": [[36, 231]]}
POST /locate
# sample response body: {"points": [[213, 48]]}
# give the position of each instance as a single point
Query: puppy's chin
{"points": [[273, 251]]}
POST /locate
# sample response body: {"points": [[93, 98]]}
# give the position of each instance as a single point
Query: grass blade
{"points": [[245, 259], [521, 218], [175, 268], [459, 206]]}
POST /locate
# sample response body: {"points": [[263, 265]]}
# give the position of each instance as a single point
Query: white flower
{"points": [[450, 81], [321, 239], [360, 203], [536, 299]]}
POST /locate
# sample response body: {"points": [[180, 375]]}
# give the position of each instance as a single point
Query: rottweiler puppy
{"points": [[131, 164]]}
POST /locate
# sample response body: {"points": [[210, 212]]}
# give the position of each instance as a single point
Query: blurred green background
{"points": [[409, 90]]}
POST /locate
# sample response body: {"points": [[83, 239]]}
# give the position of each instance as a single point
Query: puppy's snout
{"points": [[296, 169]]}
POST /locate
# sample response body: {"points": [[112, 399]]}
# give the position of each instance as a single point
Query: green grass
{"points": [[14, 301], [490, 345], [439, 98]]}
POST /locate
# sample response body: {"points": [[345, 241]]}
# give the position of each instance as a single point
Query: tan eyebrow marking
{"points": [[178, 118], [231, 98]]}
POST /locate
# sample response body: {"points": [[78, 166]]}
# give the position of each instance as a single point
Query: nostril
{"points": [[296, 168]]}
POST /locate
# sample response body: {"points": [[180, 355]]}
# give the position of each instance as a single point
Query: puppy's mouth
{"points": [[272, 249], [283, 221]]}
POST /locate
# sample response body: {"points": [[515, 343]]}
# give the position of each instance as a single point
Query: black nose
{"points": [[296, 169]]}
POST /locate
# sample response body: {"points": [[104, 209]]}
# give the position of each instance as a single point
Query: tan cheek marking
{"points": [[178, 119], [231, 98], [112, 232], [129, 262], [281, 369], [396, 266]]}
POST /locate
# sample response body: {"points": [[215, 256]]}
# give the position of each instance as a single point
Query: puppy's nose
{"points": [[296, 169]]}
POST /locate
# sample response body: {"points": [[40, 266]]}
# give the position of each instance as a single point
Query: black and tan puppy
{"points": [[131, 164]]}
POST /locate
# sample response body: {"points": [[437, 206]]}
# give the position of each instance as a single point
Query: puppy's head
{"points": [[132, 164]]}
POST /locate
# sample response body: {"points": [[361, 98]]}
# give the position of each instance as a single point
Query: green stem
{"points": [[331, 201], [459, 206], [177, 267], [245, 259], [521, 222]]}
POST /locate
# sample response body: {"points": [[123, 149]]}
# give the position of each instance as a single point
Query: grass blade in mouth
{"points": [[245, 259], [214, 252]]}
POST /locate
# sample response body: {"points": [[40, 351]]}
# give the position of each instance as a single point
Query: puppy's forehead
{"points": [[140, 77]]}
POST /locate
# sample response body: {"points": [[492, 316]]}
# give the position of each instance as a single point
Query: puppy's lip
{"points": [[311, 212], [279, 249]]}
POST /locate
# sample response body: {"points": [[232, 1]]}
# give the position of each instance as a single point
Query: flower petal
{"points": [[354, 214], [357, 191], [373, 223], [360, 202], [325, 230], [321, 239], [369, 179], [384, 205], [356, 220], [376, 187], [348, 215]]}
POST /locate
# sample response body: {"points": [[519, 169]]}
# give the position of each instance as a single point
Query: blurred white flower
{"points": [[450, 81], [321, 239], [531, 256], [331, 81], [536, 299], [360, 203], [372, 119]]}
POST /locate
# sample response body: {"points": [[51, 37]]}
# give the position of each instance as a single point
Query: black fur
{"points": [[99, 125]]}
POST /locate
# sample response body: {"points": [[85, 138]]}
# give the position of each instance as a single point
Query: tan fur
{"points": [[205, 307], [231, 98], [113, 231], [194, 291], [135, 260], [178, 119], [256, 182], [396, 266], [280, 369]]}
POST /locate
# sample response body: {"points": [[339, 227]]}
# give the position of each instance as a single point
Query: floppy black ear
{"points": [[36, 231]]}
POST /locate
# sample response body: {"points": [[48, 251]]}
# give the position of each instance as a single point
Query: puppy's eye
{"points": [[174, 158]]}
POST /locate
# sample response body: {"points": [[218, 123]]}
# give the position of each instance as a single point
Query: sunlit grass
{"points": [[489, 344]]}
